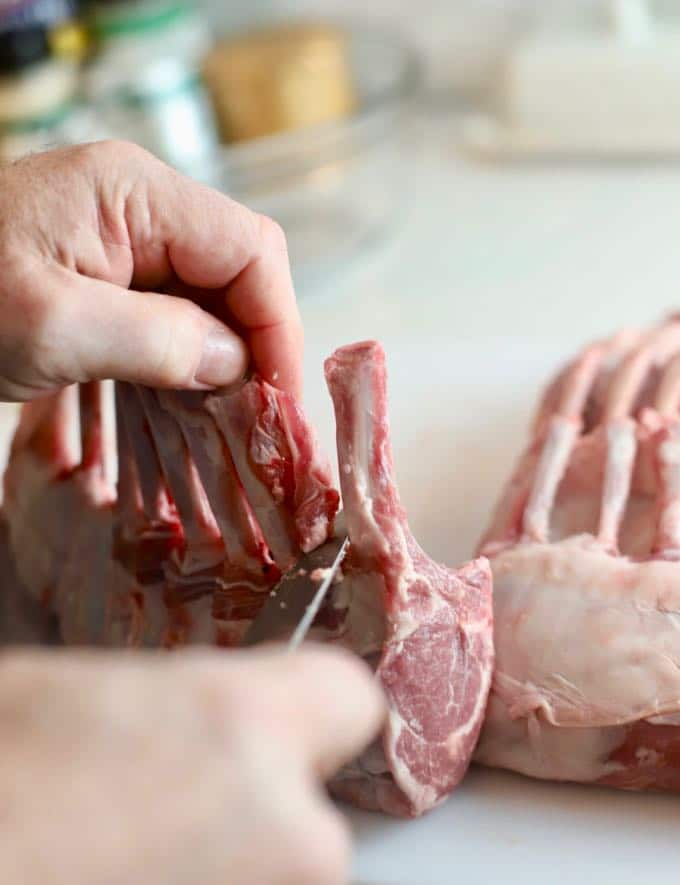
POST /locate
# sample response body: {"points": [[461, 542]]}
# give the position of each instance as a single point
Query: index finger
{"points": [[213, 242]]}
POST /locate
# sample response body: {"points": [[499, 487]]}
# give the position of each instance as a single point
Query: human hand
{"points": [[79, 226], [200, 767]]}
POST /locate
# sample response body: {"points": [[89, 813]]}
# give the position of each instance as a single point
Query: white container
{"points": [[607, 91]]}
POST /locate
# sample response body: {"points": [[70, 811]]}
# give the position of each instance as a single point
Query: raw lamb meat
{"points": [[428, 628], [217, 496], [585, 553]]}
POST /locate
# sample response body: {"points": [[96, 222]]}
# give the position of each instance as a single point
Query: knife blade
{"points": [[302, 628], [289, 612]]}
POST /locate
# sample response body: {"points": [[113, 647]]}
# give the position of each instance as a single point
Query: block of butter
{"points": [[280, 78]]}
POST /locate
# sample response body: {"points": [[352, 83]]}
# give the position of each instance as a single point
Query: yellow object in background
{"points": [[69, 40], [278, 79]]}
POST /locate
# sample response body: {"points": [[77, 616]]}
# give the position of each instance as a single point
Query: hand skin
{"points": [[196, 767], [116, 266]]}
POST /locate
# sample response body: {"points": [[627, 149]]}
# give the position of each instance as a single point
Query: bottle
{"points": [[145, 83]]}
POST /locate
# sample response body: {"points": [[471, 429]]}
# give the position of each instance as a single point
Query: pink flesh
{"points": [[244, 544], [437, 657], [278, 463], [587, 681], [174, 553]]}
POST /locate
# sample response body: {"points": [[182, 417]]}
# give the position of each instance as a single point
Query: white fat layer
{"points": [[538, 749], [421, 796], [363, 528], [585, 638], [363, 441], [406, 623]]}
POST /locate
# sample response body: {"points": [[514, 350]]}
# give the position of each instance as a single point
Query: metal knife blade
{"points": [[302, 628], [289, 612]]}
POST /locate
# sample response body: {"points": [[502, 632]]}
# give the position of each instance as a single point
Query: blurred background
{"points": [[501, 135]]}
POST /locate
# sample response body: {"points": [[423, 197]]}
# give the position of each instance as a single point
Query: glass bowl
{"points": [[337, 187]]}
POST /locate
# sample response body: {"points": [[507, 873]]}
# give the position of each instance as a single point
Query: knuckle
{"points": [[110, 153], [120, 150]]}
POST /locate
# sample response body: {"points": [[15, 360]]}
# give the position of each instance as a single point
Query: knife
{"points": [[289, 612]]}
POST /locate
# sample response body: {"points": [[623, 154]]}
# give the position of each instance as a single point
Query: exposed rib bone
{"points": [[204, 548], [86, 572], [562, 433], [657, 348], [667, 541], [626, 385], [151, 483], [621, 451], [667, 401], [243, 540]]}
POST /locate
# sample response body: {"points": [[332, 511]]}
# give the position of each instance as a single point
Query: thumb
{"points": [[105, 331]]}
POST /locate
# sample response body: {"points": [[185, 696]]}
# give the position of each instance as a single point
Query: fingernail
{"points": [[223, 360]]}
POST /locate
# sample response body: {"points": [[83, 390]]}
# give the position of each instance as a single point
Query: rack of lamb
{"points": [[585, 554]]}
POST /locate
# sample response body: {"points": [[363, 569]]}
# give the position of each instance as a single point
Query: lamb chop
{"points": [[585, 553], [216, 499], [426, 628]]}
